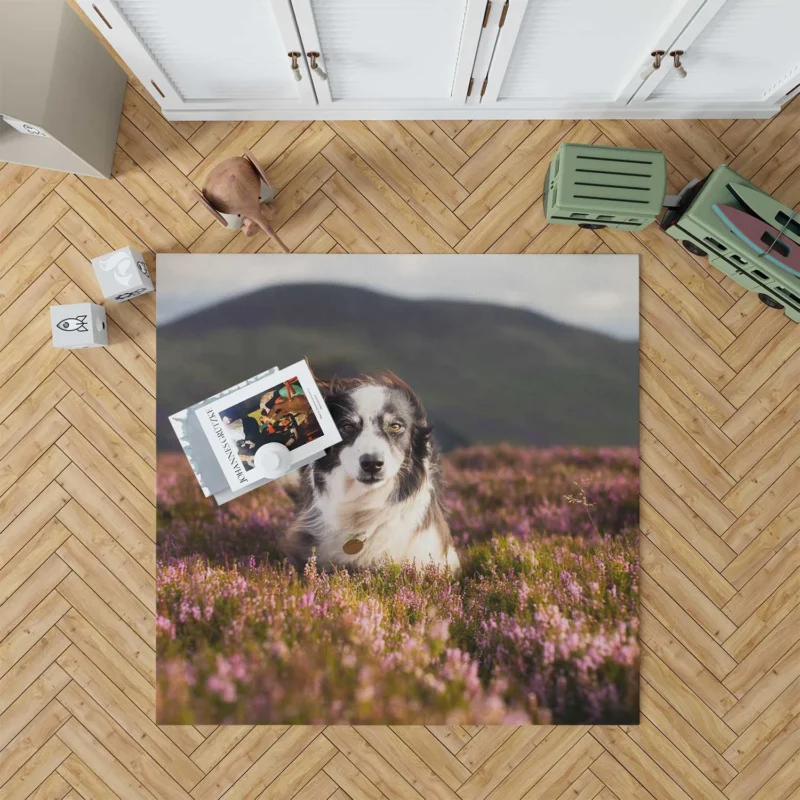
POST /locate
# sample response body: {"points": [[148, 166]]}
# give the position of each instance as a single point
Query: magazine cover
{"points": [[285, 408], [466, 554]]}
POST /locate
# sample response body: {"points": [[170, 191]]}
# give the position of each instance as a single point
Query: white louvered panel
{"points": [[389, 49], [583, 49], [746, 49], [214, 50]]}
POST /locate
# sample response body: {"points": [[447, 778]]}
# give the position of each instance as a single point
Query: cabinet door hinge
{"points": [[486, 13], [483, 88], [469, 88], [503, 15]]}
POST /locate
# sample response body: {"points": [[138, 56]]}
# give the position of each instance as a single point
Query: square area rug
{"points": [[467, 554]]}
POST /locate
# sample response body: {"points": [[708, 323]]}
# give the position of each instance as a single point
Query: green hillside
{"points": [[485, 373]]}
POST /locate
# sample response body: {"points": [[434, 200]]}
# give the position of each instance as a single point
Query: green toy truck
{"points": [[694, 223], [597, 187]]}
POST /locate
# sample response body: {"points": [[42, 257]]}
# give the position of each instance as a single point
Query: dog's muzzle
{"points": [[371, 469]]}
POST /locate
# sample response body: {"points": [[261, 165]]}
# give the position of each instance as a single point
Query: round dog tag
{"points": [[273, 459], [353, 546]]}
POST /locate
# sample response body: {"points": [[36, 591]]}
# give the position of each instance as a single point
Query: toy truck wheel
{"points": [[769, 301], [693, 248], [592, 226]]}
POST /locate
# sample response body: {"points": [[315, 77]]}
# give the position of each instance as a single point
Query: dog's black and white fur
{"points": [[380, 483]]}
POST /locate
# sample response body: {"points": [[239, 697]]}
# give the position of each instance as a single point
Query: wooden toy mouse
{"points": [[235, 193]]}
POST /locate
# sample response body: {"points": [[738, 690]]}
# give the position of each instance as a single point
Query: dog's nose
{"points": [[372, 465]]}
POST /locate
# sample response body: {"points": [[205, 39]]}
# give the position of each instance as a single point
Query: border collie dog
{"points": [[376, 495]]}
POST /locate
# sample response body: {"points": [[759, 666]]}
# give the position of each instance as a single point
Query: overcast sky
{"points": [[596, 292]]}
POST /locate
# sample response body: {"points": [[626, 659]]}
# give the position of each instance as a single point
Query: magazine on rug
{"points": [[284, 407]]}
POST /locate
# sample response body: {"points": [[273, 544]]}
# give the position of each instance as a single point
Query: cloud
{"points": [[596, 292]]}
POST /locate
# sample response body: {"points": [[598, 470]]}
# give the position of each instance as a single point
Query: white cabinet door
{"points": [[208, 54], [577, 53], [734, 50], [385, 54]]}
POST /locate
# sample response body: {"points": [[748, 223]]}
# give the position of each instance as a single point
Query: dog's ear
{"points": [[324, 386], [421, 444], [331, 388]]}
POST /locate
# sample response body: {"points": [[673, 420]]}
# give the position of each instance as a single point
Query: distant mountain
{"points": [[485, 373]]}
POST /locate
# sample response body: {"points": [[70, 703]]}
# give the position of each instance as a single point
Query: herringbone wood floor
{"points": [[720, 414]]}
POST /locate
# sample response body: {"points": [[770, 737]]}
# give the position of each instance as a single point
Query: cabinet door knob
{"points": [[657, 56], [294, 55], [676, 59], [317, 70]]}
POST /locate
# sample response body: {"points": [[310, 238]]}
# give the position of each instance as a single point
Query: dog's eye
{"points": [[348, 427], [395, 427]]}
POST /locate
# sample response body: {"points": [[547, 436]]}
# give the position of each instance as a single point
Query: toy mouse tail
{"points": [[270, 231]]}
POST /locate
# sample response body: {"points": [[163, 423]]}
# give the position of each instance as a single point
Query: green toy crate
{"points": [[597, 187], [701, 231]]}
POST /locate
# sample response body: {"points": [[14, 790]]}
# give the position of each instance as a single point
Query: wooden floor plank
{"points": [[680, 732], [32, 737], [690, 687], [516, 167], [754, 626], [98, 759], [476, 133], [84, 782], [298, 154], [120, 743], [402, 181], [31, 230], [673, 581], [419, 161], [108, 407], [383, 233], [159, 131], [683, 555], [12, 176], [110, 625], [384, 198], [26, 198], [106, 476], [154, 199], [437, 143], [30, 267], [108, 515], [155, 164]]}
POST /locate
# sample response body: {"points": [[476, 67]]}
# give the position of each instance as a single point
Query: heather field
{"points": [[540, 626]]}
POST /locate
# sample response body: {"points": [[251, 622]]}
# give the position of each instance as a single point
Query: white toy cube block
{"points": [[122, 274], [79, 325]]}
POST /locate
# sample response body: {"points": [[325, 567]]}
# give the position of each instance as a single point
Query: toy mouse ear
{"points": [[213, 211], [256, 166]]}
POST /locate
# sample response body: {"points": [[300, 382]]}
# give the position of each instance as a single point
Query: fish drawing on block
{"points": [[763, 238], [77, 324]]}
